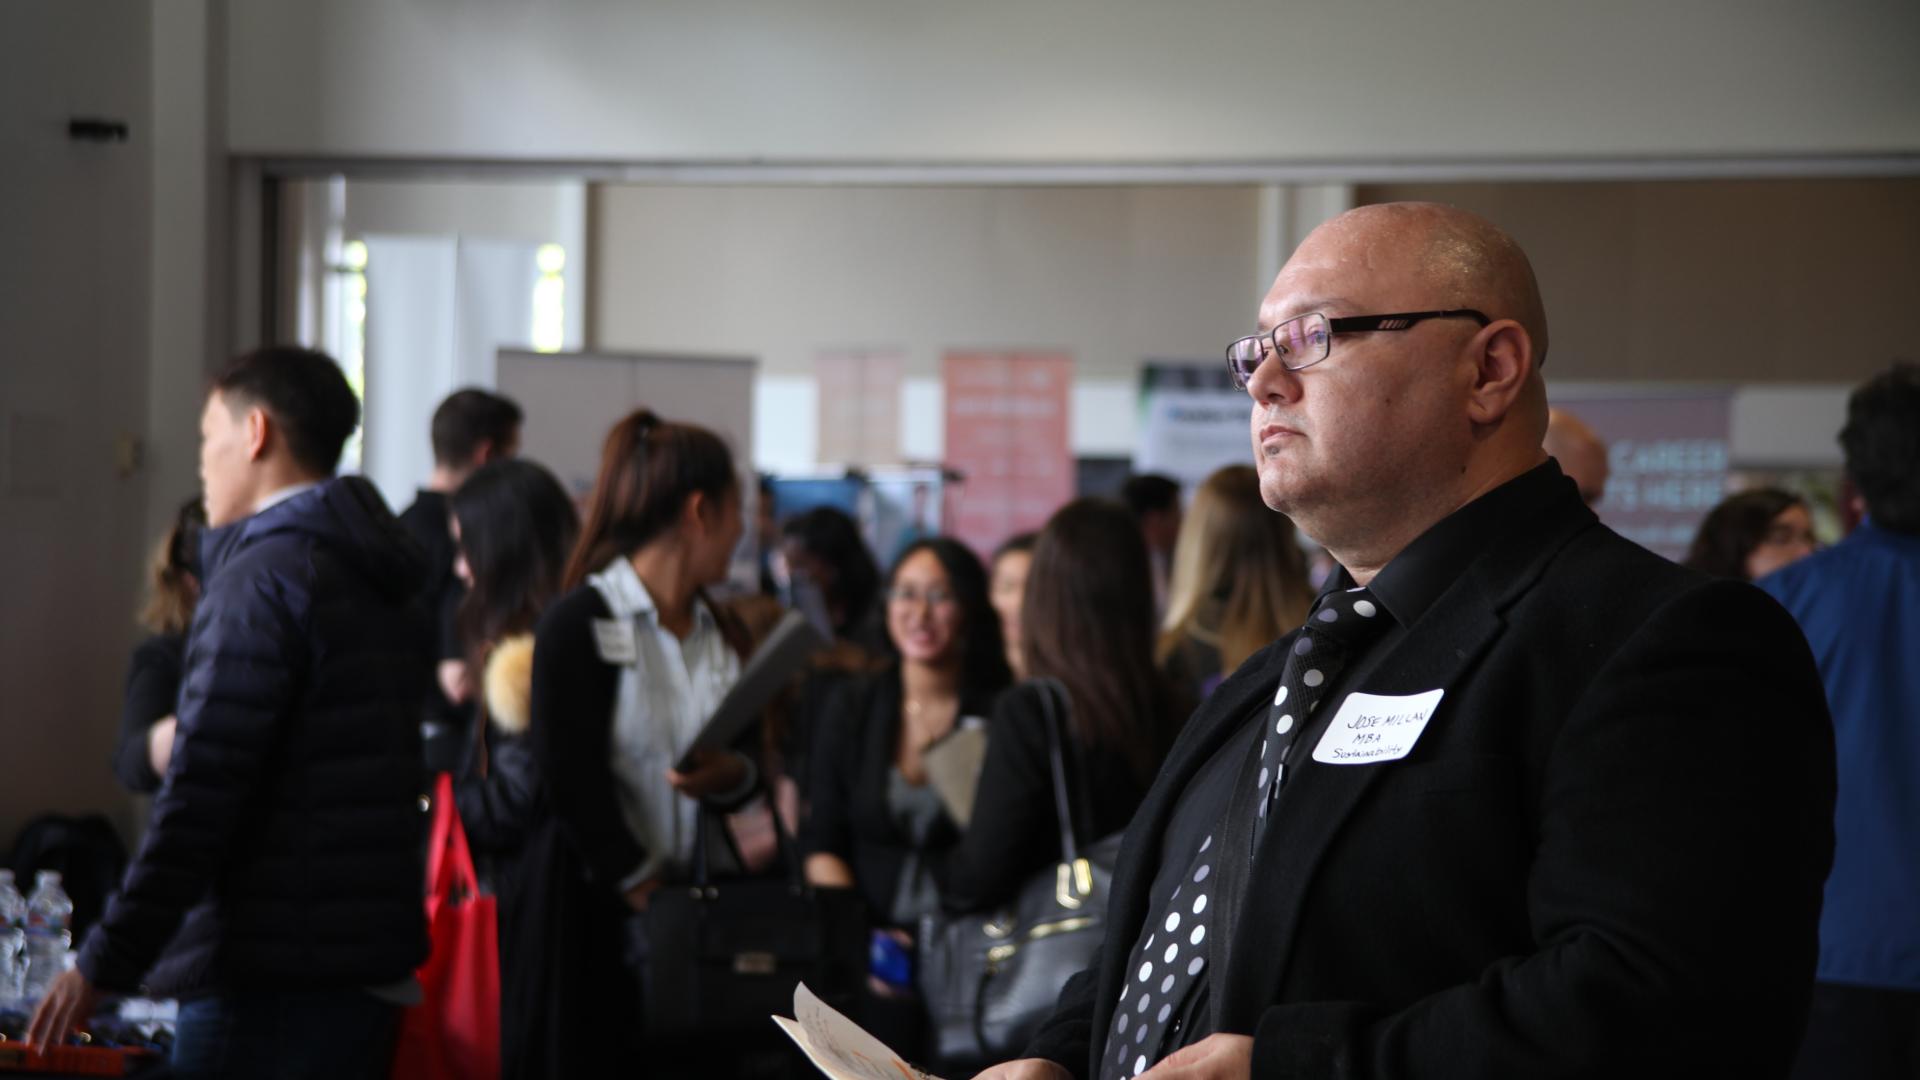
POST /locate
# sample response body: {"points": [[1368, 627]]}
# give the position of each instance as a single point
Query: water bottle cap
{"points": [[6, 876], [47, 877]]}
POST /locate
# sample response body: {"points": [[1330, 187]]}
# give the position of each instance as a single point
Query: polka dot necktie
{"points": [[1342, 625], [1166, 965]]}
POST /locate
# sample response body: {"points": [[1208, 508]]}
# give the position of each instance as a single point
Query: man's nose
{"points": [[1273, 382]]}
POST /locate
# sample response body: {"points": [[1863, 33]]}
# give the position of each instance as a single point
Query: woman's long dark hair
{"points": [[516, 527], [1734, 528], [649, 468], [983, 654], [1087, 620], [852, 596]]}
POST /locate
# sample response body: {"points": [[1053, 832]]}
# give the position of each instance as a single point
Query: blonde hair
{"points": [[1232, 547], [173, 583]]}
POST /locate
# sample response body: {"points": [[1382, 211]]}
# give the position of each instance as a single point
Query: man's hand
{"points": [[160, 744], [1216, 1057], [452, 677], [712, 774], [641, 895], [1026, 1069], [68, 1004]]}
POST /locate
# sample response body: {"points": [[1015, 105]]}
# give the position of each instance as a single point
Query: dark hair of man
{"points": [[983, 653], [1087, 620], [517, 527], [469, 419], [1149, 492], [1882, 445], [1734, 528], [834, 538], [173, 577], [305, 394], [649, 468]]}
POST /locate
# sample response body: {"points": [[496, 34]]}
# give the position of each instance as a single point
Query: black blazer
{"points": [[153, 694], [1603, 858], [855, 746], [1015, 827]]}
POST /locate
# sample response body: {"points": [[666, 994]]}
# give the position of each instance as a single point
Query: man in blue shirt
{"points": [[1859, 604]]}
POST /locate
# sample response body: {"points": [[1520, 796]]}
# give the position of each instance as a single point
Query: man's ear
{"points": [[1502, 354], [259, 432], [483, 453]]}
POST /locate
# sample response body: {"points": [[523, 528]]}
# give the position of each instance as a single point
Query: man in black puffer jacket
{"points": [[281, 872]]}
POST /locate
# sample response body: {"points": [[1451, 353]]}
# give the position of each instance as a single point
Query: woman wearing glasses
{"points": [[877, 824]]}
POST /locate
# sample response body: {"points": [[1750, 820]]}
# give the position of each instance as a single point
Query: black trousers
{"points": [[1860, 1033]]}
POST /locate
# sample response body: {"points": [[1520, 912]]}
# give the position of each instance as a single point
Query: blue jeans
{"points": [[291, 1035]]}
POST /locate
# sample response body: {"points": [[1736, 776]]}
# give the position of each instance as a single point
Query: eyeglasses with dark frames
{"points": [[1305, 340]]}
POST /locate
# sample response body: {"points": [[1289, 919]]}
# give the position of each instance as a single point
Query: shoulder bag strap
{"points": [[1051, 694], [1073, 877]]}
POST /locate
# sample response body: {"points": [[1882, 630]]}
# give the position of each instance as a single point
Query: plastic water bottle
{"points": [[13, 944], [49, 913]]}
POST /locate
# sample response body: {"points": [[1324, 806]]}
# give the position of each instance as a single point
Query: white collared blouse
{"points": [[668, 688]]}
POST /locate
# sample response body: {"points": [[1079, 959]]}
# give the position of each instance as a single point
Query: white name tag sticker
{"points": [[614, 639], [1376, 727]]}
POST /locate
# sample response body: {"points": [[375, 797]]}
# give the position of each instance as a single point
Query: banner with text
{"points": [[1667, 463], [1006, 433], [1192, 421]]}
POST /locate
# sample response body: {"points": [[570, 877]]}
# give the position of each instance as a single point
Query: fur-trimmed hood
{"points": [[508, 684]]}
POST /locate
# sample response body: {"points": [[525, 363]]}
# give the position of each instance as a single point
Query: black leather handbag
{"points": [[723, 956], [989, 980]]}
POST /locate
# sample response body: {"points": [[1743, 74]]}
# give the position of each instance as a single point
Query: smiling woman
{"points": [[877, 825]]}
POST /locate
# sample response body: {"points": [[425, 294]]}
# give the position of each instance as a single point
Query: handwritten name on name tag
{"points": [[615, 642], [1376, 727]]}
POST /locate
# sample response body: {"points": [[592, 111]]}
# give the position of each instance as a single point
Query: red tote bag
{"points": [[454, 1033]]}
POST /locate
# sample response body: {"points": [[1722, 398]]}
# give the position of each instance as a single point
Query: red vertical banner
{"points": [[1006, 433]]}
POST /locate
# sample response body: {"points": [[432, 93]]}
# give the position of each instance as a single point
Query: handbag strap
{"points": [[449, 860], [785, 844], [1053, 700]]}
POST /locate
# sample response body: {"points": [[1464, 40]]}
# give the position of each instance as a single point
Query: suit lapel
{"points": [[1251, 958], [1318, 800]]}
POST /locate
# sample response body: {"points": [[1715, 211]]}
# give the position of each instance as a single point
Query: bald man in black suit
{"points": [[1521, 799]]}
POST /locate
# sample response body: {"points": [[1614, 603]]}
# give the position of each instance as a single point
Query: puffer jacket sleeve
{"points": [[244, 671]]}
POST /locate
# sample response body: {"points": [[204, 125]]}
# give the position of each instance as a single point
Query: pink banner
{"points": [[1007, 435], [859, 406]]}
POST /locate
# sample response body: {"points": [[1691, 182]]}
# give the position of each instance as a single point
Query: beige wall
{"points": [[533, 211], [74, 304], [1073, 80], [1756, 282], [1116, 274]]}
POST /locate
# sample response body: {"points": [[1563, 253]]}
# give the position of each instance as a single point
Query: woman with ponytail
{"points": [[627, 667]]}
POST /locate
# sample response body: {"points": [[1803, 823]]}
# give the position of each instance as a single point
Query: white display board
{"points": [[572, 399]]}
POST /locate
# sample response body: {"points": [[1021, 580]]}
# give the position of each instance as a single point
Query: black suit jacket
{"points": [[1603, 857], [856, 743]]}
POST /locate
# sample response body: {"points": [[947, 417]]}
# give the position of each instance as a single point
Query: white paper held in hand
{"points": [[839, 1047]]}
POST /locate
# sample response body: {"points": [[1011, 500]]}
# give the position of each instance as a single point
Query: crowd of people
{"points": [[1606, 857]]}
